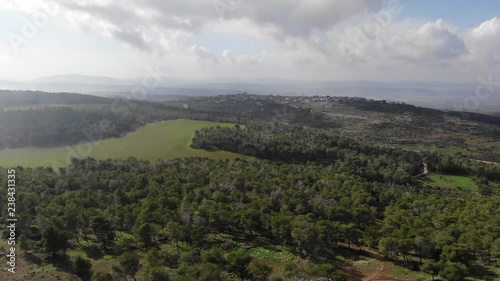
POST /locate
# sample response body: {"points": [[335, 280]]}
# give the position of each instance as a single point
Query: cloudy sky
{"points": [[328, 40]]}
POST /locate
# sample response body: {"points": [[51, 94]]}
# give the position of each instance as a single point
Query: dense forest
{"points": [[308, 198], [286, 143], [314, 193]]}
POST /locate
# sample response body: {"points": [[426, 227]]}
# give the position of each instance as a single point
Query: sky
{"points": [[243, 40]]}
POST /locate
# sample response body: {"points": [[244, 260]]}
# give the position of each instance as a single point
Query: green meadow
{"points": [[162, 140], [450, 181]]}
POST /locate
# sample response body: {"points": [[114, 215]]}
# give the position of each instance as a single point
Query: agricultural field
{"points": [[163, 140], [484, 143]]}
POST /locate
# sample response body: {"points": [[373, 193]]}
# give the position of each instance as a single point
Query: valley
{"points": [[156, 141], [249, 187]]}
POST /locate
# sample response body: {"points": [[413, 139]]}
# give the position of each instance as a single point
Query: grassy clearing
{"points": [[484, 143], [163, 140], [268, 255], [448, 181], [365, 265], [401, 273]]}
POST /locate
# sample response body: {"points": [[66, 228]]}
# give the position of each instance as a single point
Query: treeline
{"points": [[389, 107], [62, 125], [10, 98], [54, 119], [279, 142], [40, 119], [456, 164], [209, 212], [55, 126], [59, 126]]}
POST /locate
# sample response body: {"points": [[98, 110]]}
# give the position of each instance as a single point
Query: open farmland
{"points": [[163, 140]]}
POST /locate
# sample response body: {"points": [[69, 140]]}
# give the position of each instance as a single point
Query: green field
{"points": [[449, 181], [163, 140]]}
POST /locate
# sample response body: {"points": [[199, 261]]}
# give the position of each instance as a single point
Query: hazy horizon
{"points": [[440, 95]]}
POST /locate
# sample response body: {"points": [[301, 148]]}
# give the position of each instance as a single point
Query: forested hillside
{"points": [[41, 119], [310, 203], [53, 119], [287, 143], [195, 219], [199, 219], [13, 99], [26, 113], [377, 121]]}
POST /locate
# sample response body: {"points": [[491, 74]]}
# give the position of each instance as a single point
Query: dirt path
{"points": [[380, 274], [426, 168], [426, 171], [486, 162], [382, 266]]}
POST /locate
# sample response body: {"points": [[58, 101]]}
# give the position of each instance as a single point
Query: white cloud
{"points": [[28, 6], [431, 42], [228, 55], [282, 18], [301, 38], [203, 53], [484, 41]]}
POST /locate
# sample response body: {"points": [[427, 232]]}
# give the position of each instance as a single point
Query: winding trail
{"points": [[486, 162], [426, 171], [381, 273], [382, 266]]}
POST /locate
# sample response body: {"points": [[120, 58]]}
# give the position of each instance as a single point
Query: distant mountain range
{"points": [[433, 94]]}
